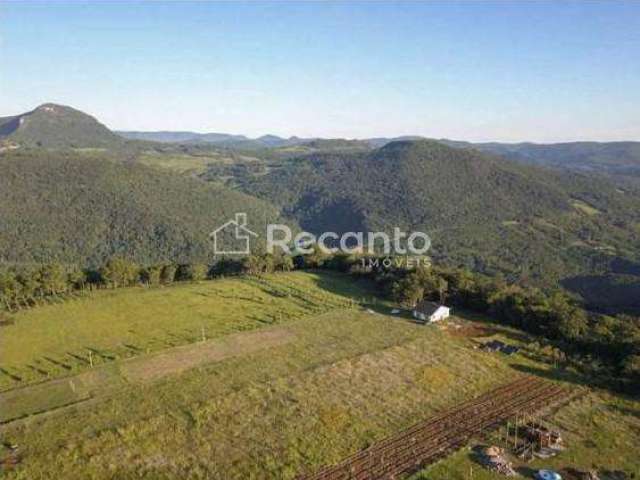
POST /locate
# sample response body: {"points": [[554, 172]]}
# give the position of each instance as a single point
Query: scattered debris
{"points": [[493, 346], [395, 311], [370, 311], [498, 346], [537, 441], [13, 458], [493, 458], [509, 349], [543, 436]]}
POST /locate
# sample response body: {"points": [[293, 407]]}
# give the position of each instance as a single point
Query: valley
{"points": [[308, 240], [185, 363]]}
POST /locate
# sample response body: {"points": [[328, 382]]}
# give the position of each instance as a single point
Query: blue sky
{"points": [[505, 71]]}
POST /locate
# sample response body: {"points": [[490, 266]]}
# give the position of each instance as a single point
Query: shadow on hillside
{"points": [[556, 374], [344, 284], [526, 472], [632, 412]]}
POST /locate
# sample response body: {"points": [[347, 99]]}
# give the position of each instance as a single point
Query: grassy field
{"points": [[192, 164], [57, 340], [340, 379]]}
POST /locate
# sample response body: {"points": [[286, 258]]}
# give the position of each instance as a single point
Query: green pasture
{"points": [[345, 377], [65, 338]]}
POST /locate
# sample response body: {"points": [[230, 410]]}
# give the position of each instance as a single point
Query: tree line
{"points": [[25, 286], [601, 343]]}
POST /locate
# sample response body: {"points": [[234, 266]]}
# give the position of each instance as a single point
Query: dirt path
{"points": [[51, 395], [184, 358]]}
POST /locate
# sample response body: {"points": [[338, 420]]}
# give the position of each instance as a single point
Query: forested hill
{"points": [[482, 211], [56, 126], [81, 210]]}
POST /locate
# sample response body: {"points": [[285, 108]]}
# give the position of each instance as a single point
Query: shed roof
{"points": [[427, 307]]}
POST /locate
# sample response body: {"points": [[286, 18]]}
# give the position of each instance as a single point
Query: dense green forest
{"points": [[83, 209], [483, 212], [74, 192]]}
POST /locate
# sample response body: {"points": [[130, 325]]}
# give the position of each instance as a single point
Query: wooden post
{"points": [[204, 338], [91, 358], [515, 434], [506, 442]]}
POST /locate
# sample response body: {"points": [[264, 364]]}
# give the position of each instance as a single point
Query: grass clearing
{"points": [[57, 340], [584, 207], [103, 380], [193, 164], [346, 378], [182, 163], [183, 358]]}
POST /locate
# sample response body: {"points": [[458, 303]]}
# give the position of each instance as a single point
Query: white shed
{"points": [[430, 312]]}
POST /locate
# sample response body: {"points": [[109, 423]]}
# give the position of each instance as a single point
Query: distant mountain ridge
{"points": [[225, 140], [613, 157], [58, 126], [179, 136]]}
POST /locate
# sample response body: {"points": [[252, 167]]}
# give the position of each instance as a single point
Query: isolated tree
{"points": [[168, 273], [442, 287], [316, 259], [120, 272], [191, 271], [631, 369], [199, 272], [151, 275], [569, 322], [30, 286], [286, 263], [252, 264], [9, 288], [76, 278], [408, 291], [53, 279]]}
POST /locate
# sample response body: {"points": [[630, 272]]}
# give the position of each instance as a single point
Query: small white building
{"points": [[430, 312]]}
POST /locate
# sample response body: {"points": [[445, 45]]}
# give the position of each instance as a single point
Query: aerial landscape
{"points": [[320, 240]]}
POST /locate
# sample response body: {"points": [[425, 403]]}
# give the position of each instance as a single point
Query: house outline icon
{"points": [[241, 233]]}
